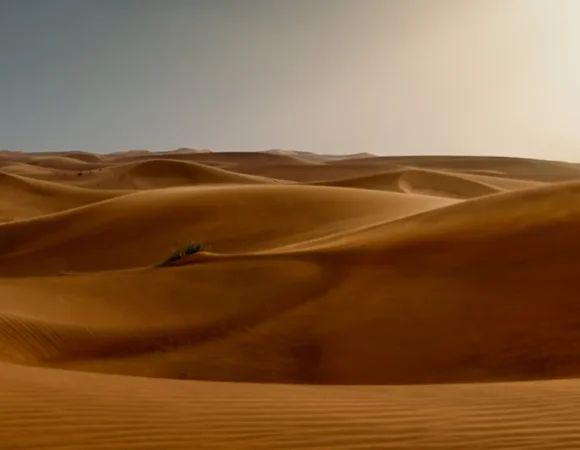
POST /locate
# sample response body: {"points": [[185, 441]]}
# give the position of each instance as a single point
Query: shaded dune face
{"points": [[324, 284]]}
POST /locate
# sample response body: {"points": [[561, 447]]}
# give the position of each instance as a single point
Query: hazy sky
{"points": [[336, 76]]}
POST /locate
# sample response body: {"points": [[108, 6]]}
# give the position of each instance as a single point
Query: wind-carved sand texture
{"points": [[340, 302]]}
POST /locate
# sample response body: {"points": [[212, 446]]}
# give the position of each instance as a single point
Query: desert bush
{"points": [[189, 249]]}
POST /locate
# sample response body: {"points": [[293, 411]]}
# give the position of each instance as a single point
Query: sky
{"points": [[390, 77]]}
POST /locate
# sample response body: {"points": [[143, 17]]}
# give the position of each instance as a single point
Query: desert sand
{"points": [[339, 302]]}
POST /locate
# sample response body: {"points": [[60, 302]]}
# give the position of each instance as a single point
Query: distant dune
{"points": [[18, 168], [314, 172], [162, 173], [338, 302], [425, 182], [71, 154], [519, 168], [23, 198]]}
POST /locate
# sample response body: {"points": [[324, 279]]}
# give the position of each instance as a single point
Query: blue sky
{"points": [[335, 76]]}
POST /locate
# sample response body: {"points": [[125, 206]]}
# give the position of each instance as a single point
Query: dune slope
{"points": [[63, 162], [427, 294], [162, 173], [23, 197], [141, 228], [519, 168], [423, 182], [341, 314]]}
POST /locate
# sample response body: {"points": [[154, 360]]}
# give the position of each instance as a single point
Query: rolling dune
{"points": [[23, 198], [363, 302], [425, 279], [61, 163], [423, 182], [382, 181], [230, 219], [500, 183], [230, 159], [72, 154], [162, 173], [519, 168], [315, 173], [18, 168]]}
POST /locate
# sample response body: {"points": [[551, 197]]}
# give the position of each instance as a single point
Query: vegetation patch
{"points": [[190, 248]]}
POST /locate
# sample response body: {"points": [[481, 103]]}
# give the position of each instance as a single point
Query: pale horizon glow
{"points": [[390, 77]]}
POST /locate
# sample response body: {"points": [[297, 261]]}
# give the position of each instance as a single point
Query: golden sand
{"points": [[340, 303]]}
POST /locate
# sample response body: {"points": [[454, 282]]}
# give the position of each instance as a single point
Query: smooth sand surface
{"points": [[23, 198], [355, 302], [162, 173], [427, 182]]}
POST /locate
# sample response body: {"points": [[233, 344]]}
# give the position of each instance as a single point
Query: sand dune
{"points": [[331, 275], [179, 154], [162, 173], [18, 168], [225, 159], [382, 181], [119, 155], [441, 184], [500, 183], [231, 219], [504, 212], [429, 306], [519, 168], [320, 158], [316, 173], [61, 163], [23, 198], [423, 182], [72, 154], [183, 150]]}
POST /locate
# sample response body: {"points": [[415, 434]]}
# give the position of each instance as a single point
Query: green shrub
{"points": [[189, 249]]}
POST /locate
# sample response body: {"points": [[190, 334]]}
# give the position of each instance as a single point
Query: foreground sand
{"points": [[53, 409], [359, 302]]}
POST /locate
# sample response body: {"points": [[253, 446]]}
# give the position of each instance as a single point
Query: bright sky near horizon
{"points": [[389, 77]]}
